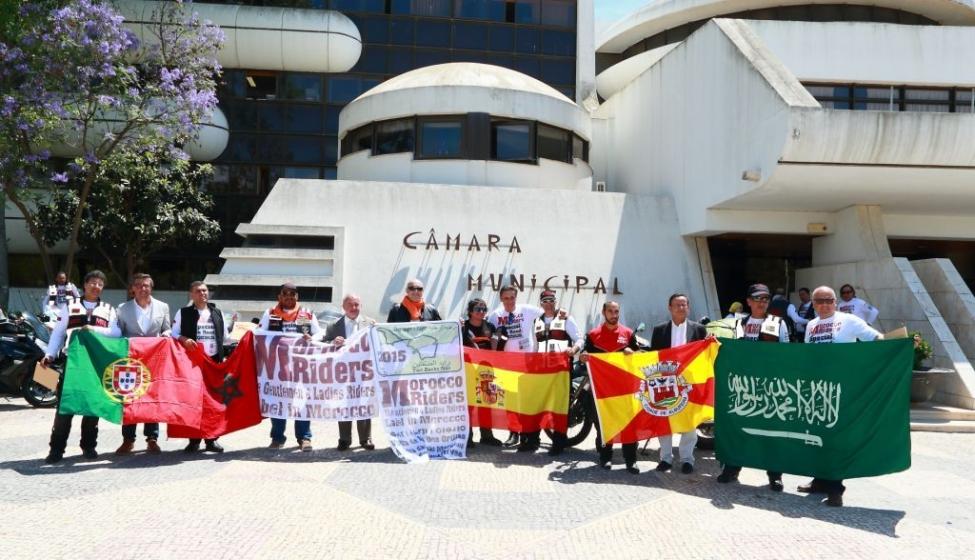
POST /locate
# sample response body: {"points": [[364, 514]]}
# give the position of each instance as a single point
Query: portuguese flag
{"points": [[650, 394], [135, 380], [523, 392]]}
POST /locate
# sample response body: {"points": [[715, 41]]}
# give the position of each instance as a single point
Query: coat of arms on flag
{"points": [[126, 379]]}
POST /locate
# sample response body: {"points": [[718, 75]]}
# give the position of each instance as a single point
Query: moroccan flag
{"points": [[231, 401], [649, 394], [832, 411], [131, 380], [523, 392]]}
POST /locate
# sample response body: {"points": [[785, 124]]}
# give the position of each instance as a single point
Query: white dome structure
{"points": [[466, 123]]}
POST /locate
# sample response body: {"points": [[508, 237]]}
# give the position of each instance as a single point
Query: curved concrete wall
{"points": [[263, 38], [667, 14], [547, 174]]}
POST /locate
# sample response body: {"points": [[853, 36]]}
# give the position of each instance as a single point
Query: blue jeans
{"points": [[302, 429]]}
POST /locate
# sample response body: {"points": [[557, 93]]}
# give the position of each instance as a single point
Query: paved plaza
{"points": [[252, 502]]}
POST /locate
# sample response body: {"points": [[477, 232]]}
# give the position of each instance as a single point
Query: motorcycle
{"points": [[582, 410], [23, 342]]}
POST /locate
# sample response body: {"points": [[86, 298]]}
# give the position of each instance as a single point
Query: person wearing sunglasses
{"points": [[850, 303], [762, 327], [413, 308], [832, 326], [553, 333], [479, 333]]}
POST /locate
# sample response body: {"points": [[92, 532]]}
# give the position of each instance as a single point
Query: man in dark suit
{"points": [[336, 333], [677, 331]]}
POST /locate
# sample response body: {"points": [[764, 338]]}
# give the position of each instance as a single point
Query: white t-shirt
{"points": [[858, 307], [840, 327], [519, 326], [753, 327], [206, 333]]}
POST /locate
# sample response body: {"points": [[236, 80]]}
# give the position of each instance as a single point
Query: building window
{"points": [[561, 43], [261, 85], [303, 87], [393, 137], [432, 33], [927, 100], [559, 13], [470, 36], [553, 143], [511, 141], [357, 140], [441, 138], [493, 10], [234, 179], [862, 97], [580, 148]]}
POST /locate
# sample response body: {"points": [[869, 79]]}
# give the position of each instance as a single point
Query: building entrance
{"points": [[960, 253], [742, 259]]}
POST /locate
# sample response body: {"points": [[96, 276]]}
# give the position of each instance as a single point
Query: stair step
{"points": [[948, 426], [937, 412]]}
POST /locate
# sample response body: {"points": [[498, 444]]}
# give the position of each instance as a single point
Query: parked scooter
{"points": [[23, 342]]}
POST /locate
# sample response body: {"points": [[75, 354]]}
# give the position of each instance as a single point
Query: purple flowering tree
{"points": [[78, 84]]}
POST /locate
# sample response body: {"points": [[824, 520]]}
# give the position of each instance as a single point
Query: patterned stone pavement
{"points": [[251, 502]]}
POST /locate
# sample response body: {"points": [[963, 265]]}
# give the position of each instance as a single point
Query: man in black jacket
{"points": [[679, 330], [336, 333], [413, 307], [201, 324]]}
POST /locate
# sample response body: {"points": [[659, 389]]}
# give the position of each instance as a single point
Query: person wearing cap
{"points": [[611, 336], [413, 307], [679, 330], [832, 326], [288, 317], [763, 327], [478, 333], [553, 333]]}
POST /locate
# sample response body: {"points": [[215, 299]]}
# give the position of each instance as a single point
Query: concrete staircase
{"points": [[928, 417]]}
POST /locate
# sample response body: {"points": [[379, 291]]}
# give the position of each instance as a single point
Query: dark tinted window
{"points": [[527, 11], [307, 87], [401, 32], [430, 57], [526, 40], [401, 60], [373, 29], [561, 13], [502, 38], [481, 9], [261, 85], [553, 143], [431, 7], [372, 60], [470, 36], [558, 72], [432, 33], [394, 136], [579, 148], [359, 5], [302, 118], [511, 141], [441, 139], [561, 43]]}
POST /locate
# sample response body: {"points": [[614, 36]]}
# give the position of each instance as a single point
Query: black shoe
{"points": [[687, 468], [527, 446], [343, 445], [811, 488], [214, 447], [725, 477], [53, 457], [834, 500], [492, 441], [89, 453], [663, 466], [605, 465], [632, 469], [775, 485], [512, 440], [555, 450], [368, 445], [192, 447]]}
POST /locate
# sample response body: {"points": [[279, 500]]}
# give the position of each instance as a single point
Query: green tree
{"points": [[139, 204]]}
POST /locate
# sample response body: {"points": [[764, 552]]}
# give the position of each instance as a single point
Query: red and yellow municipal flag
{"points": [[650, 394], [522, 392]]}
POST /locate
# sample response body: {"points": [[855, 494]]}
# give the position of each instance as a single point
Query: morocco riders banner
{"points": [[832, 411], [420, 384], [650, 394], [308, 380], [520, 391]]}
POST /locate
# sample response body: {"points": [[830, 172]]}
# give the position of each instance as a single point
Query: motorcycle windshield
{"points": [[40, 331]]}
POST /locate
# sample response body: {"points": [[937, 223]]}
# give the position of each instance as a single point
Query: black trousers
{"points": [[606, 451], [62, 428], [363, 427], [150, 430], [828, 486], [771, 475]]}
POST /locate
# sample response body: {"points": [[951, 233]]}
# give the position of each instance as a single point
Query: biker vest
{"points": [[78, 316], [556, 330], [768, 332], [58, 295], [301, 324]]}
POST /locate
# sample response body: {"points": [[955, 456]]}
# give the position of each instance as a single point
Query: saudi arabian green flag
{"points": [[832, 411]]}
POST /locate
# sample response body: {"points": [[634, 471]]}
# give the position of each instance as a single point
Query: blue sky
{"points": [[608, 11]]}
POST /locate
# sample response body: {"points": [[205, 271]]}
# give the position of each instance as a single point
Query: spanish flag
{"points": [[523, 392], [650, 394]]}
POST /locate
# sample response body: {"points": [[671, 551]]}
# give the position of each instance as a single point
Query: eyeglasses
{"points": [[480, 310], [760, 298], [824, 301], [548, 300], [414, 288]]}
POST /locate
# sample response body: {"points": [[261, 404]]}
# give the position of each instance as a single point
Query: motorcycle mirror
{"points": [[641, 327]]}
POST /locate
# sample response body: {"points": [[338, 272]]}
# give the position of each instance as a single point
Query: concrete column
{"points": [[858, 235]]}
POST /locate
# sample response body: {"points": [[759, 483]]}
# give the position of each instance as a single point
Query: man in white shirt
{"points": [[850, 303], [832, 326], [679, 330], [201, 324], [336, 333]]}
